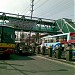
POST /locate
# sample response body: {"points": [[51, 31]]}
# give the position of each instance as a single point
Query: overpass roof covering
{"points": [[10, 16]]}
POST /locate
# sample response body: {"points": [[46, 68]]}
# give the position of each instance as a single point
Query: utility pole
{"points": [[32, 4]]}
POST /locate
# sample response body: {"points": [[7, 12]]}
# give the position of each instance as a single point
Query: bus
{"points": [[7, 41], [57, 40]]}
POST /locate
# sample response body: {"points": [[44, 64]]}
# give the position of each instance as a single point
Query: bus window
{"points": [[7, 35], [51, 40], [54, 39], [65, 37], [45, 41], [48, 40], [57, 39], [72, 38], [60, 38]]}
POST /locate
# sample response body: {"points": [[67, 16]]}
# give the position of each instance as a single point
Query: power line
{"points": [[41, 4], [55, 8], [37, 2], [32, 4], [31, 7], [58, 12], [59, 3], [53, 5], [26, 9]]}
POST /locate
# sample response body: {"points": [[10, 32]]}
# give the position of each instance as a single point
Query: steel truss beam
{"points": [[42, 24]]}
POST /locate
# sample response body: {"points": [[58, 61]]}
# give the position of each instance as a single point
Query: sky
{"points": [[49, 9]]}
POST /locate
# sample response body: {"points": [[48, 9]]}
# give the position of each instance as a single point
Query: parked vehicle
{"points": [[61, 39], [7, 41], [24, 49]]}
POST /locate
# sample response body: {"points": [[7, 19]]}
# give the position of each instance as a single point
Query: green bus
{"points": [[7, 40]]}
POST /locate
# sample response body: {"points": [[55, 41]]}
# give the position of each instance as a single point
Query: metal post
{"points": [[3, 17], [17, 36], [32, 4], [38, 38], [29, 37]]}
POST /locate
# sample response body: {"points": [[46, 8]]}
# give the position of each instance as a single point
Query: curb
{"points": [[61, 60]]}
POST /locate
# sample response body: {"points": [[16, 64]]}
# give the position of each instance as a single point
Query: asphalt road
{"points": [[34, 65]]}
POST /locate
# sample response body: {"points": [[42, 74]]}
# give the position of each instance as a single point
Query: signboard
{"points": [[72, 34]]}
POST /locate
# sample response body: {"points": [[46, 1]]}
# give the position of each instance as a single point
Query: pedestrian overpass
{"points": [[41, 25]]}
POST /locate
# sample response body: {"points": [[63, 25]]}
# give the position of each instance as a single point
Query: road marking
{"points": [[56, 61]]}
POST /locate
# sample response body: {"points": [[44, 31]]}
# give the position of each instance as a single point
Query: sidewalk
{"points": [[61, 60]]}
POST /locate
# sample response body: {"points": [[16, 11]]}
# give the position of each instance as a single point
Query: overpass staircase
{"points": [[65, 25]]}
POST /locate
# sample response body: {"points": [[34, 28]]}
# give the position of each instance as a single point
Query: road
{"points": [[34, 65]]}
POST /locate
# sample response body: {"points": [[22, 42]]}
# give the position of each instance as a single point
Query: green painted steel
{"points": [[47, 25], [65, 25], [42, 25], [8, 34]]}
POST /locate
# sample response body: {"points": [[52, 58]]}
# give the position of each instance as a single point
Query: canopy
{"points": [[71, 41], [64, 42]]}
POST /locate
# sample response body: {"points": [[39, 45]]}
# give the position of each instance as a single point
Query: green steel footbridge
{"points": [[41, 25]]}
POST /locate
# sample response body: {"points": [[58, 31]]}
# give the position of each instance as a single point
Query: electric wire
{"points": [[46, 13], [57, 11], [52, 6], [27, 8], [55, 8], [34, 4], [41, 4], [37, 7], [37, 2]]}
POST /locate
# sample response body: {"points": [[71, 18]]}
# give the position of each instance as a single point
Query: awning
{"points": [[64, 42], [71, 41]]}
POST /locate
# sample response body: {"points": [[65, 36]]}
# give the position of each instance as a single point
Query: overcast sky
{"points": [[51, 9]]}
